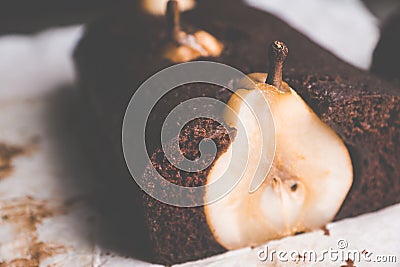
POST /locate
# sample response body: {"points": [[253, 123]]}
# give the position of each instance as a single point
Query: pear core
{"points": [[310, 175]]}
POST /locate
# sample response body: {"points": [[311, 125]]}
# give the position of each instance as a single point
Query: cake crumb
{"points": [[326, 231], [349, 263], [9, 152]]}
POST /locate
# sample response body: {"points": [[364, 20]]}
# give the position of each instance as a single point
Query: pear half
{"points": [[183, 46], [310, 175]]}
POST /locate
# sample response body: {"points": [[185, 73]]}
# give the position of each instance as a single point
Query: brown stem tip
{"points": [[277, 54], [173, 19]]}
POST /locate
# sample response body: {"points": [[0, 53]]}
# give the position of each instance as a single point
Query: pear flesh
{"points": [[192, 46], [183, 46], [157, 7], [304, 186]]}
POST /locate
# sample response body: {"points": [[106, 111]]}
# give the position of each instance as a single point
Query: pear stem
{"points": [[173, 19], [277, 54]]}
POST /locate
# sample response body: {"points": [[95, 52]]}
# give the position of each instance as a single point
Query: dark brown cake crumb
{"points": [[349, 263], [184, 229], [9, 152], [326, 231]]}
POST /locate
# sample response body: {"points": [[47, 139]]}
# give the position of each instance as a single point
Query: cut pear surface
{"points": [[157, 7], [183, 46], [192, 46], [303, 189]]}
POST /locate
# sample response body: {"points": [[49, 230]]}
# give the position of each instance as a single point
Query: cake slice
{"points": [[115, 57]]}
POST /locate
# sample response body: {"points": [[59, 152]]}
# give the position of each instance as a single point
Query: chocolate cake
{"points": [[387, 54], [116, 55]]}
